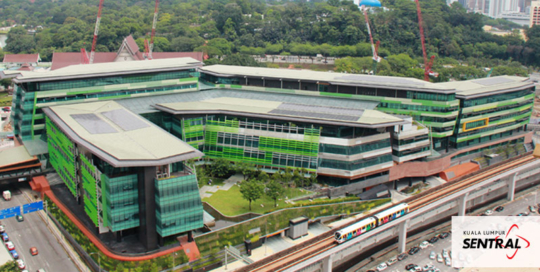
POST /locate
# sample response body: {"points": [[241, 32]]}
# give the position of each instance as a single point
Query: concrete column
{"points": [[462, 205], [402, 234], [327, 264], [511, 187]]}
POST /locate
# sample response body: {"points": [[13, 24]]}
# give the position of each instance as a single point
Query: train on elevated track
{"points": [[370, 223]]}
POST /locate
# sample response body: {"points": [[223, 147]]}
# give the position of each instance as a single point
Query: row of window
{"points": [[497, 98], [313, 86], [409, 151], [475, 124], [496, 109], [488, 138], [352, 150], [355, 165], [417, 107], [104, 81], [412, 140], [178, 205], [112, 94], [477, 131]]}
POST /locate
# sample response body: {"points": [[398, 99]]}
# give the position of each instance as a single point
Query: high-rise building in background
{"points": [[535, 13]]}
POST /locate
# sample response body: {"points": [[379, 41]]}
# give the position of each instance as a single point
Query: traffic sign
{"points": [[10, 212], [32, 207]]}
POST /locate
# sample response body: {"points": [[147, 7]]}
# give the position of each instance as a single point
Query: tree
{"points": [[275, 190], [18, 41], [245, 168], [240, 60], [251, 190], [263, 177], [9, 267], [220, 167]]}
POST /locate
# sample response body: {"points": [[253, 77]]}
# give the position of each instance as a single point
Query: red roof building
{"points": [[20, 59], [128, 51]]}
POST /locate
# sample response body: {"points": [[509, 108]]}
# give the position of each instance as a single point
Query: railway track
{"points": [[325, 241]]}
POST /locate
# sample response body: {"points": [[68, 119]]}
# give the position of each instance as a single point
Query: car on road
{"points": [[522, 214], [6, 109], [5, 237], [499, 209], [424, 244], [439, 258], [33, 251], [14, 254], [414, 250], [433, 240], [382, 267], [531, 209], [392, 261], [19, 218], [418, 268], [489, 212], [444, 235], [2, 229], [447, 261], [428, 267], [402, 256], [10, 245], [21, 264]]}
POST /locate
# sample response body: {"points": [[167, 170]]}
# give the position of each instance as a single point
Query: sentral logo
{"points": [[498, 241]]}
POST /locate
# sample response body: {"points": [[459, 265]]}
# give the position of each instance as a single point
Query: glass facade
{"points": [[105, 81], [355, 165], [496, 98], [120, 201], [352, 150], [178, 205]]}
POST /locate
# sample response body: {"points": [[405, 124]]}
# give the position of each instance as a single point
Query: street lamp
{"points": [[99, 259]]}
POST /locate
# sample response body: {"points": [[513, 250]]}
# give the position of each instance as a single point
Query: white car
{"points": [[382, 267], [424, 244], [445, 253], [21, 264], [2, 229], [448, 262], [432, 255], [439, 258], [489, 212]]}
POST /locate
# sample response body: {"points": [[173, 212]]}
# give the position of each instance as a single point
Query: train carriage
{"points": [[355, 230], [391, 213]]}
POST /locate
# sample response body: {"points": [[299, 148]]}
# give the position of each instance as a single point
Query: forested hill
{"points": [[332, 28]]}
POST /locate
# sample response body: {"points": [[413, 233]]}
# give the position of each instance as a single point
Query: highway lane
{"points": [[33, 232]]}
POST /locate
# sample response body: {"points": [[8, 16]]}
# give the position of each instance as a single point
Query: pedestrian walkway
{"points": [[207, 190]]}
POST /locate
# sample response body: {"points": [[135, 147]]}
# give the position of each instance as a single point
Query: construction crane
{"points": [[96, 30], [427, 65], [364, 4], [84, 56], [148, 48]]}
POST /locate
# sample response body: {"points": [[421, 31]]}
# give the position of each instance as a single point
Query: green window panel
{"points": [[352, 150], [475, 124], [288, 146], [178, 205], [61, 156], [403, 106]]}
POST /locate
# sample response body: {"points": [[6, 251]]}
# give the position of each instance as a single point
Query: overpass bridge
{"points": [[504, 183]]}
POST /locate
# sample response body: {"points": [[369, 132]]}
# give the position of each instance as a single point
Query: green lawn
{"points": [[231, 202], [5, 100]]}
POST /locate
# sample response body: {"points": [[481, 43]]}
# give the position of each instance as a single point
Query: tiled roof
{"points": [[132, 44], [64, 59], [21, 58]]}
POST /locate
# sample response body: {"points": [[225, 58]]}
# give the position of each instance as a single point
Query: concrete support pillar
{"points": [[511, 187], [402, 236], [327, 264], [462, 205]]}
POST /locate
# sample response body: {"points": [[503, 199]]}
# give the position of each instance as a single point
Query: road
{"points": [[33, 232], [519, 205]]}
